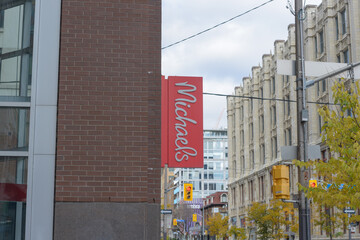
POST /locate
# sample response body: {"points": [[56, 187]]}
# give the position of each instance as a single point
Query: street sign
{"points": [[290, 152], [195, 228], [166, 211], [349, 211], [312, 69]]}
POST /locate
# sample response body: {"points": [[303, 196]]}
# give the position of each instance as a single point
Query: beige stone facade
{"points": [[261, 118]]}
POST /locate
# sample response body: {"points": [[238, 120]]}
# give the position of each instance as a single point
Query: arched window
{"points": [[224, 198]]}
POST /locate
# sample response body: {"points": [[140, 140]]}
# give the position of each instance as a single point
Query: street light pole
{"points": [[302, 116]]}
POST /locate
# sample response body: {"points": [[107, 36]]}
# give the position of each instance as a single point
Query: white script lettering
{"points": [[182, 151]]}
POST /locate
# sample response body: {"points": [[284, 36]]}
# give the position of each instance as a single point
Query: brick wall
{"points": [[108, 139]]}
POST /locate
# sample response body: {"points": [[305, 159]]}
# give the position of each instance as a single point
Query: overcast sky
{"points": [[226, 54]]}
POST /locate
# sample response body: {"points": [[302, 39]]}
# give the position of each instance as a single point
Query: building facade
{"points": [[213, 177], [80, 119], [216, 203], [264, 118]]}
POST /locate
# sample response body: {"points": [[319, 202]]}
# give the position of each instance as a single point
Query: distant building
{"points": [[257, 128], [216, 203], [213, 177]]}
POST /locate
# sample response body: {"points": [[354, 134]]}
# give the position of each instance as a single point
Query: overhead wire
{"points": [[217, 25], [266, 99]]}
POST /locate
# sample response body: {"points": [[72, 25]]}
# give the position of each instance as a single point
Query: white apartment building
{"points": [[258, 127], [213, 177]]}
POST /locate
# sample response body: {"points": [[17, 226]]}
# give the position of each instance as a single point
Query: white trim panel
{"points": [[42, 197], [42, 136], [45, 130]]}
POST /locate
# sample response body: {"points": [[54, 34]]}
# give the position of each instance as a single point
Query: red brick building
{"points": [[87, 107], [216, 203]]}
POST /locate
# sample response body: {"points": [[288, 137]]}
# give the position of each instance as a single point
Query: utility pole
{"points": [[302, 116]]}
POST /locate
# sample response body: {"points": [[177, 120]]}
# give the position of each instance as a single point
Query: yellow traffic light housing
{"points": [[281, 186], [194, 217], [174, 221], [313, 183], [188, 192]]}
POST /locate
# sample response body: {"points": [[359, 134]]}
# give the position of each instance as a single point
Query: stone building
{"points": [[261, 118]]}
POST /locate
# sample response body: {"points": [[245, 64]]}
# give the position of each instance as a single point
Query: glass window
{"points": [[13, 188], [346, 56], [16, 34], [251, 132], [14, 128], [224, 198], [337, 27], [323, 85], [211, 165], [218, 166], [343, 21], [16, 48], [273, 85], [218, 175], [321, 36]]}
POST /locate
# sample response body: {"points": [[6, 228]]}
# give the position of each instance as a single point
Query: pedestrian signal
{"points": [[312, 183], [188, 192]]}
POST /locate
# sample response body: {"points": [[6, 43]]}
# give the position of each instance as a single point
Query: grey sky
{"points": [[224, 55]]}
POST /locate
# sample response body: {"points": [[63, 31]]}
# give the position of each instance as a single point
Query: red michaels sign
{"points": [[182, 122]]}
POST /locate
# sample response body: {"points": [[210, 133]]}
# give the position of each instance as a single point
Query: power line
{"points": [[217, 25], [266, 99]]}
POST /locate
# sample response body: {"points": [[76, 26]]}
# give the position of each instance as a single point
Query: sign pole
{"points": [[349, 216], [302, 118], [165, 203], [203, 216]]}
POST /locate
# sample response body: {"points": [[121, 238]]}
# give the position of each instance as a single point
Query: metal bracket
{"points": [[295, 202]]}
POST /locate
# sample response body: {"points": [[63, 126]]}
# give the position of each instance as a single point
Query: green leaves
{"points": [[341, 133], [271, 221], [237, 233], [218, 225]]}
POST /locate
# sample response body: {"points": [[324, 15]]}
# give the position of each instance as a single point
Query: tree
{"points": [[330, 221], [272, 222], [218, 225], [340, 185], [237, 233]]}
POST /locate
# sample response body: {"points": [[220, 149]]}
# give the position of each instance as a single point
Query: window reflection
{"points": [[13, 178], [16, 34], [14, 128]]}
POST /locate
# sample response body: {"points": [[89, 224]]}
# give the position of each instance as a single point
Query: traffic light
{"points": [[188, 192], [194, 217], [312, 183], [281, 187], [174, 221]]}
